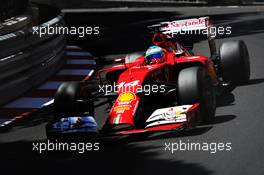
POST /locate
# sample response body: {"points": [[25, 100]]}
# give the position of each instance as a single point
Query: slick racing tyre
{"points": [[71, 99], [51, 135], [195, 86], [234, 62]]}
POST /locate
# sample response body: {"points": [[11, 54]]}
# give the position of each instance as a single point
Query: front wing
{"points": [[165, 119]]}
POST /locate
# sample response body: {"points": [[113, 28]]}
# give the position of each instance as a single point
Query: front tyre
{"points": [[195, 86], [67, 100]]}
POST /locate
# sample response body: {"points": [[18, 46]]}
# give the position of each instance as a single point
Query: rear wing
{"points": [[188, 31]]}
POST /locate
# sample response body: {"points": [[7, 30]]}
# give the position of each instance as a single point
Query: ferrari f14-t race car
{"points": [[166, 88]]}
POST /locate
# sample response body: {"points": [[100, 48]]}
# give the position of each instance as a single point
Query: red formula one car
{"points": [[166, 88]]}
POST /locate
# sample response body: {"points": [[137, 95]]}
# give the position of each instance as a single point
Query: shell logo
{"points": [[126, 97]]}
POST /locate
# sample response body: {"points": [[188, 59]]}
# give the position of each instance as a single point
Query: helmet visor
{"points": [[155, 56]]}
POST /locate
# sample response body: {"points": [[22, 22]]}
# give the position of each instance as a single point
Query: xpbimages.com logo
{"points": [[210, 31], [62, 30], [79, 147], [212, 147], [133, 86]]}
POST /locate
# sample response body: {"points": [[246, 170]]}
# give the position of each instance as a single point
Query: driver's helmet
{"points": [[154, 54]]}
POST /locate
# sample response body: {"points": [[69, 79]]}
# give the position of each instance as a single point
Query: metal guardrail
{"points": [[27, 60], [15, 23], [10, 8]]}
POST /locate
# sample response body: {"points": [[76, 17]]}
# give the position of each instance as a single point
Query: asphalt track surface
{"points": [[239, 120]]}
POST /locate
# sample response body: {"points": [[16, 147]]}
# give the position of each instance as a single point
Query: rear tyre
{"points": [[234, 60], [195, 86]]}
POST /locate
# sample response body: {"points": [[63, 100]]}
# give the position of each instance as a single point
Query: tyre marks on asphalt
{"points": [[79, 65]]}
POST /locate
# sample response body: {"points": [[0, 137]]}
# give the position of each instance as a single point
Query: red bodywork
{"points": [[131, 76]]}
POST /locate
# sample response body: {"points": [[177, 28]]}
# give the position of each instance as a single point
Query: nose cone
{"points": [[123, 110]]}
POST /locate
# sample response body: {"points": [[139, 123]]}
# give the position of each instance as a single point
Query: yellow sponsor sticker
{"points": [[126, 97], [122, 108], [178, 112]]}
